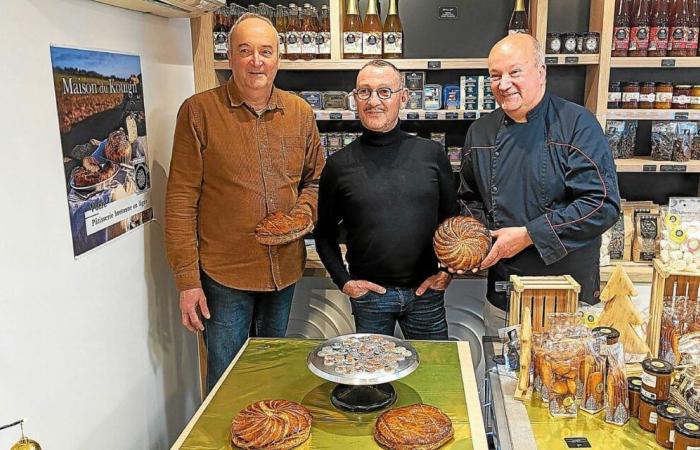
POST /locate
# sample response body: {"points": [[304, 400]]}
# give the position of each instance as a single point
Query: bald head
{"points": [[251, 21], [518, 72]]}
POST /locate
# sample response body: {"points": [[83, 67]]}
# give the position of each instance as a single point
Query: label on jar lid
{"points": [[691, 427], [658, 364], [637, 382], [653, 418], [673, 220], [649, 380], [678, 235], [673, 410], [605, 330]]}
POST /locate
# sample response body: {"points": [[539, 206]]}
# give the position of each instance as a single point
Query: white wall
{"points": [[91, 350]]}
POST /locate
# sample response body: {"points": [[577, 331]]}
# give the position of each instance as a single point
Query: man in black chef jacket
{"points": [[390, 190], [540, 174]]}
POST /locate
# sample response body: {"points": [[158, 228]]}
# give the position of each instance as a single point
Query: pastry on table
{"points": [[271, 425], [281, 228], [118, 147], [461, 243], [413, 427]]}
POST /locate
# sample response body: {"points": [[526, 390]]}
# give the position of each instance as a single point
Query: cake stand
{"points": [[363, 391]]}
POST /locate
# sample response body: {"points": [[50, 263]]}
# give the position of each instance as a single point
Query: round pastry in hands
{"points": [[280, 228], [416, 426], [461, 243], [271, 425]]}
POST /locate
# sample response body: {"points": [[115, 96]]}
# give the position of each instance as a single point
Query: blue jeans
{"points": [[419, 317], [237, 314]]}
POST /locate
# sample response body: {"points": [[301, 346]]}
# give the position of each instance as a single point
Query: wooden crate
{"points": [[542, 295], [661, 286]]}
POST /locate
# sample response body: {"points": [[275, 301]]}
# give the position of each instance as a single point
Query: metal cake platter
{"points": [[390, 370]]}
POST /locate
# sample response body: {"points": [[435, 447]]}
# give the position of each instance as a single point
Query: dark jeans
{"points": [[419, 317], [235, 315]]}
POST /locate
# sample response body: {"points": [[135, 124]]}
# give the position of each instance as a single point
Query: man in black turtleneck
{"points": [[390, 190]]}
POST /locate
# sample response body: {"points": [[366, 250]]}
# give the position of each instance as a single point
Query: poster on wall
{"points": [[101, 117]]}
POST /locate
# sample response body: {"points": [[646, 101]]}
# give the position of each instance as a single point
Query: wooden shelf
{"points": [[407, 114], [571, 60], [653, 114], [666, 62], [640, 272], [646, 164], [356, 64]]}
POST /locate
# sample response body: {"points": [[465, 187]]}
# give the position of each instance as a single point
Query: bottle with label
{"points": [[293, 34], [220, 34], [678, 28], [518, 20], [639, 29], [372, 32], [309, 49], [323, 37], [281, 30], [691, 45], [352, 31], [658, 30], [393, 32], [621, 30]]}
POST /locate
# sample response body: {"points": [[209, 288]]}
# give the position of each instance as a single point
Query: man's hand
{"points": [[358, 288], [437, 282], [509, 242], [189, 300]]}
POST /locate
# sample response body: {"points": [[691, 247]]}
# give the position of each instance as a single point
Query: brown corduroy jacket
{"points": [[231, 167]]}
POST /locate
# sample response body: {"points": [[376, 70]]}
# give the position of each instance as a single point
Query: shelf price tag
{"points": [[470, 115], [318, 115], [434, 64], [680, 116], [668, 62], [649, 168], [431, 116], [551, 60], [336, 116], [571, 60], [412, 116], [451, 115], [673, 168]]}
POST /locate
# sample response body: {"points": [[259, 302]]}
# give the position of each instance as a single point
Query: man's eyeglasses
{"points": [[384, 93]]}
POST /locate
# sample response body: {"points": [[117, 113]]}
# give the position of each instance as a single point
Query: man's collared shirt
{"points": [[230, 168]]}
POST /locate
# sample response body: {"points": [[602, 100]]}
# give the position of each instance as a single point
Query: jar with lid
{"points": [[611, 334], [687, 436], [667, 413], [614, 95], [647, 94], [647, 413], [591, 42], [664, 95], [656, 379], [681, 96], [634, 386], [630, 95], [568, 43], [695, 97], [553, 43]]}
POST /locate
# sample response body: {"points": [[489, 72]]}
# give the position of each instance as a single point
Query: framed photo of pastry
{"points": [[102, 124]]}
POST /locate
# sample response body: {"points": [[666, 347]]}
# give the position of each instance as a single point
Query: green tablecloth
{"points": [[276, 369]]}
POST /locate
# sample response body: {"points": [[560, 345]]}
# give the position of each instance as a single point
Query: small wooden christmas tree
{"points": [[620, 313]]}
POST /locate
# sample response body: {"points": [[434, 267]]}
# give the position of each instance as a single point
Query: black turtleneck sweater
{"points": [[391, 191]]}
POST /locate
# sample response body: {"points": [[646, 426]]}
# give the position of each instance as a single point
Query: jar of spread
{"points": [[614, 95], [591, 42], [667, 413], [630, 95], [695, 97], [664, 95], [647, 413], [611, 334], [687, 434], [568, 43], [681, 96], [647, 95], [634, 386], [656, 379], [553, 43]]}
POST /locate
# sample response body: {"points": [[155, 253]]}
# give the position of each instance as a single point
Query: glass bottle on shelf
{"points": [[518, 20], [639, 29], [281, 31], [352, 31], [309, 49], [621, 30], [372, 32], [323, 37], [658, 30], [220, 34], [393, 32], [693, 23], [293, 34], [677, 28]]}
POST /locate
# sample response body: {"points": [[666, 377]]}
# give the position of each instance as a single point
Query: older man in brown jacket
{"points": [[241, 151]]}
